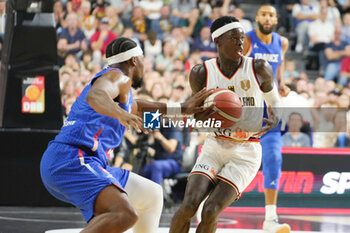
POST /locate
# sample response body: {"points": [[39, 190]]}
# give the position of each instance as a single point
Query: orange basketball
{"points": [[228, 106], [33, 92]]}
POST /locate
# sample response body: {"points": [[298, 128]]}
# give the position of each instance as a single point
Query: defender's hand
{"points": [[129, 120], [271, 122], [195, 103]]}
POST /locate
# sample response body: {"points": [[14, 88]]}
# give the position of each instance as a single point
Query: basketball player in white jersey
{"points": [[230, 157]]}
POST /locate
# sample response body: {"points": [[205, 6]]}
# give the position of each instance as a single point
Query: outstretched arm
{"points": [[282, 88], [264, 75], [104, 90], [192, 105]]}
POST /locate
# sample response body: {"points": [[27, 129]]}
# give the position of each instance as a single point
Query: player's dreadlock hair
{"points": [[119, 45], [222, 21]]}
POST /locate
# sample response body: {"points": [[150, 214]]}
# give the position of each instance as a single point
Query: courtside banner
{"points": [[33, 94], [310, 176]]}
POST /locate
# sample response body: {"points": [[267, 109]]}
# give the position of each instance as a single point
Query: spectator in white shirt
{"points": [[304, 13]]}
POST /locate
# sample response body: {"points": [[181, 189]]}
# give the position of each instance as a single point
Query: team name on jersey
{"points": [[247, 101], [266, 56]]}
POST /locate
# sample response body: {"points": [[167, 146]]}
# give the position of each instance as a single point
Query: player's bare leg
{"points": [[113, 212], [221, 197], [198, 187]]}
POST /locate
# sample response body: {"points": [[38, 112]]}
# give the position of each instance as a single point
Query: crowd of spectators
{"points": [[175, 36]]}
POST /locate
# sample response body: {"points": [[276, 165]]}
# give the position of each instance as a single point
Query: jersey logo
{"points": [[267, 56], [255, 46], [245, 84], [231, 88]]}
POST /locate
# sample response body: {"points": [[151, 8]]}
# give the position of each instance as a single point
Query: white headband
{"points": [[218, 32], [124, 56]]}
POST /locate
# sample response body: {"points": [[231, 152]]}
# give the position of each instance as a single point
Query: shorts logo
{"points": [[151, 120], [202, 166]]}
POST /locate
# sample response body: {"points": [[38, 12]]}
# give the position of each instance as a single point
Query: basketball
{"points": [[228, 106]]}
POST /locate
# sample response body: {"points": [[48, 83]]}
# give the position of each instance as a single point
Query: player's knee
{"points": [[189, 208], [130, 217], [122, 220], [211, 211]]}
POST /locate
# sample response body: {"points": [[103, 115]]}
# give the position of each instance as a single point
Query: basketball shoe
{"points": [[273, 226]]}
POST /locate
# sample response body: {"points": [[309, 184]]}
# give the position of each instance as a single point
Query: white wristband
{"points": [[272, 98], [173, 109]]}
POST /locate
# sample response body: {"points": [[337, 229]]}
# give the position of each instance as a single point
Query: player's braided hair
{"points": [[119, 45], [222, 21]]}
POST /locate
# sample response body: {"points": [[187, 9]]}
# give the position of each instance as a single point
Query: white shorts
{"points": [[234, 162]]}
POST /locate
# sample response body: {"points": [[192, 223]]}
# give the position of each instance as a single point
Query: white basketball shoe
{"points": [[273, 226]]}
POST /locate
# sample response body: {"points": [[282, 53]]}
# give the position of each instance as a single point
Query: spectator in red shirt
{"points": [[101, 38]]}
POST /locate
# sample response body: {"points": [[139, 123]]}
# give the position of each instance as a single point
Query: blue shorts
{"points": [[74, 176], [271, 144]]}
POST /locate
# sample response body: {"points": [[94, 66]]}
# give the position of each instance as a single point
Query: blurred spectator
{"points": [[181, 11], [321, 32], [115, 24], [194, 59], [68, 92], [204, 8], [345, 71], [70, 64], [344, 6], [344, 102], [152, 46], [168, 157], [334, 52], [294, 137], [333, 15], [151, 9], [204, 44], [323, 124], [150, 78], [99, 7], [304, 13], [178, 38], [138, 23], [290, 74], [129, 33], [345, 29], [124, 8], [239, 14], [157, 91], [89, 22], [63, 77], [73, 6], [86, 61], [72, 39], [58, 13], [165, 61], [343, 139], [177, 95], [101, 38], [163, 27]]}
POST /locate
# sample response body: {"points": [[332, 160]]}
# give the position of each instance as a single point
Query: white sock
{"points": [[270, 212]]}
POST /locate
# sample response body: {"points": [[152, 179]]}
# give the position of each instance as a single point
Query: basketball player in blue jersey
{"points": [[228, 162], [263, 43], [74, 166]]}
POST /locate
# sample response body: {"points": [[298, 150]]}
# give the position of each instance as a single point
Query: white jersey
{"points": [[245, 84]]}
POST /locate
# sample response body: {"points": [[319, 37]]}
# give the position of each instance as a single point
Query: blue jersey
{"points": [[88, 129], [269, 52], [272, 53]]}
